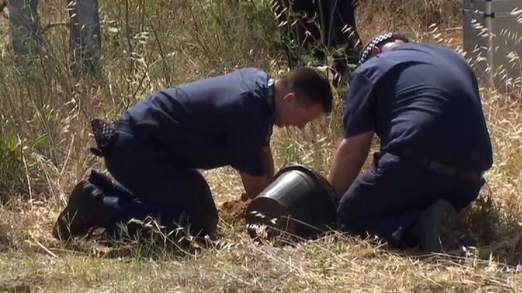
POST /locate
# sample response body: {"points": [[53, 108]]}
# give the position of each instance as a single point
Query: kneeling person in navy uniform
{"points": [[423, 102], [163, 140]]}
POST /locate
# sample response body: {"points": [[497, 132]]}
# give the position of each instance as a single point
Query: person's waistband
{"points": [[441, 167]]}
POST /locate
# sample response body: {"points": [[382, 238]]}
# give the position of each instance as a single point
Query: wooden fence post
{"points": [[25, 37], [85, 38]]}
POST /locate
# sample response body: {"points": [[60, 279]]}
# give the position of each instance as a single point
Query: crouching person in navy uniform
{"points": [[423, 102], [156, 148]]}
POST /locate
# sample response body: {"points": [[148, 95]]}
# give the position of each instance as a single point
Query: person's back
{"points": [[423, 102], [428, 106], [209, 123], [157, 147]]}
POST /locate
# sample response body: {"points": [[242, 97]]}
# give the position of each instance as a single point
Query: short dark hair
{"points": [[311, 85], [378, 40]]}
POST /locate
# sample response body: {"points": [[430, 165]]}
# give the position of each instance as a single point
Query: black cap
{"points": [[378, 40]]}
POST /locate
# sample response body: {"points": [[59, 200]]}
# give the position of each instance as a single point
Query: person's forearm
{"points": [[253, 184], [349, 158], [269, 163], [344, 171]]}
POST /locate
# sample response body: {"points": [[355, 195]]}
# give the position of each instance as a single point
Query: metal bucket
{"points": [[299, 203]]}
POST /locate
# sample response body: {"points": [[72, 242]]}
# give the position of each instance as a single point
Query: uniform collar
{"points": [[270, 101], [271, 96]]}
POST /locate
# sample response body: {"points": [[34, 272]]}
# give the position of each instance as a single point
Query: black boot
{"points": [[434, 230], [84, 210], [108, 187]]}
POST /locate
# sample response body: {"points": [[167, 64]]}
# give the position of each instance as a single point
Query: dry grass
{"points": [[198, 39], [335, 263]]}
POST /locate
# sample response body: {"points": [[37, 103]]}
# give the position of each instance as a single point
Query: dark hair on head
{"points": [[311, 86], [377, 41]]}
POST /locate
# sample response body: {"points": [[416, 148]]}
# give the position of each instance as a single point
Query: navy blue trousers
{"points": [[387, 200], [157, 186]]}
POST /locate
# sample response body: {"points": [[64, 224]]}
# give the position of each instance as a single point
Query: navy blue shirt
{"points": [[420, 99], [225, 120]]}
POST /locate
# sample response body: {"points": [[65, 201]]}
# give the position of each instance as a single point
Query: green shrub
{"points": [[17, 162], [11, 164]]}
